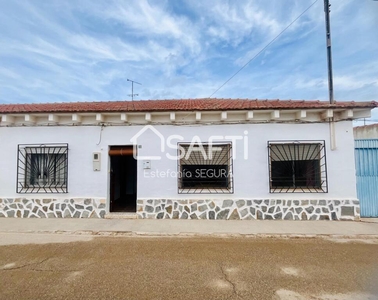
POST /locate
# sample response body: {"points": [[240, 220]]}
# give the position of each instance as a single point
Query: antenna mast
{"points": [[132, 89]]}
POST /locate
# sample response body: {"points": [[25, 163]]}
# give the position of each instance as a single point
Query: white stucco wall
{"points": [[251, 177]]}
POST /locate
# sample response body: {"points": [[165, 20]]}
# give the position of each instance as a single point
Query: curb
{"points": [[206, 234]]}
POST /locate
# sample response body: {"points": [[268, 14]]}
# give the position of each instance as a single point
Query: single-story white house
{"points": [[180, 159]]}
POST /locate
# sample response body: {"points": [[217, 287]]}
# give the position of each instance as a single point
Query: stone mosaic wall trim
{"points": [[187, 209], [52, 208], [250, 209]]}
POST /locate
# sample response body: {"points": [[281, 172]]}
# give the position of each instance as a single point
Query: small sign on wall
{"points": [[147, 164]]}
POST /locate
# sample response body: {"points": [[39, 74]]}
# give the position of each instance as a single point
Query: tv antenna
{"points": [[132, 89]]}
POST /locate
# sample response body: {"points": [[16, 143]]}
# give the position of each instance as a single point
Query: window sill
{"points": [[282, 190], [205, 190]]}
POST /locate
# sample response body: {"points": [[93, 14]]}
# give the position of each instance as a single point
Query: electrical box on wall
{"points": [[96, 161]]}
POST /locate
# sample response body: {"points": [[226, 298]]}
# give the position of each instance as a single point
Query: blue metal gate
{"points": [[366, 155]]}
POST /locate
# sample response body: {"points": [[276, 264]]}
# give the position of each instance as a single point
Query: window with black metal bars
{"points": [[298, 166], [42, 168], [205, 168]]}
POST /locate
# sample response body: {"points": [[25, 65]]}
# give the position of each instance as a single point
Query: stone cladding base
{"points": [[266, 209], [249, 209]]}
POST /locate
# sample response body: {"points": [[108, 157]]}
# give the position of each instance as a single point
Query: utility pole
{"points": [[330, 75], [329, 50], [132, 89]]}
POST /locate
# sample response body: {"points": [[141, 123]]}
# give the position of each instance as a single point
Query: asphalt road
{"points": [[186, 268]]}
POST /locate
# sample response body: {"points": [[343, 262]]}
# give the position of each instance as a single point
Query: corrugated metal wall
{"points": [[366, 155]]}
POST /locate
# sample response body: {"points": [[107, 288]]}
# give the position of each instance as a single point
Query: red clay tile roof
{"points": [[177, 105]]}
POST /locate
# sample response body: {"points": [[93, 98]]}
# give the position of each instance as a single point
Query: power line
{"points": [[263, 49]]}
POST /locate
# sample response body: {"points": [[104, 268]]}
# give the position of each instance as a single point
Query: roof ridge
{"points": [[182, 99]]}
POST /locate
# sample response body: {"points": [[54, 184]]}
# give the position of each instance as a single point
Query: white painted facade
{"points": [[99, 189], [251, 176]]}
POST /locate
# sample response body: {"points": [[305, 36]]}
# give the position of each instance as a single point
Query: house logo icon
{"points": [[134, 141]]}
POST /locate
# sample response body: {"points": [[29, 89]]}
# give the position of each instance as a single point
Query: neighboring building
{"points": [[366, 153], [180, 159], [366, 132]]}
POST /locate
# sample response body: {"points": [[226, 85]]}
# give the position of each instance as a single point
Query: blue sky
{"points": [[58, 51]]}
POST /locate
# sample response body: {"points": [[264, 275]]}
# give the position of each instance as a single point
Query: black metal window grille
{"points": [[297, 167], [205, 168], [42, 168]]}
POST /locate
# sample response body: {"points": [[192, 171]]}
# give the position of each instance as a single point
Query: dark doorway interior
{"points": [[123, 183]]}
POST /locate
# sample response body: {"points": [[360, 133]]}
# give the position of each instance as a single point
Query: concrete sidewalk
{"points": [[368, 229]]}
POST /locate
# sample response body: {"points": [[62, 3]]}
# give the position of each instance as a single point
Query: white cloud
{"points": [[6, 74], [143, 19], [353, 82]]}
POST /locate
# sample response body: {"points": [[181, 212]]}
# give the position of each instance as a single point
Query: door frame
{"points": [[109, 177]]}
